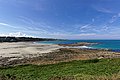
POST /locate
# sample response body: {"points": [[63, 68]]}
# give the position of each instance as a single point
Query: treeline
{"points": [[23, 39]]}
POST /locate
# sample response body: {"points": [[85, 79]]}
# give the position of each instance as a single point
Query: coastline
{"points": [[23, 50], [18, 53], [50, 60]]}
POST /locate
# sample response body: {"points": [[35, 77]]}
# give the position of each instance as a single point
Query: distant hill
{"points": [[23, 39]]}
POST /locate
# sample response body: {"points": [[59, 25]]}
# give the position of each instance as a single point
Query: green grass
{"points": [[86, 70]]}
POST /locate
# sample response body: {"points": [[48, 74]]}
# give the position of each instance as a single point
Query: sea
{"points": [[102, 44]]}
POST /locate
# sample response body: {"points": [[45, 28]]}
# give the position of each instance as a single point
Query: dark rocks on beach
{"points": [[79, 44], [115, 50], [61, 55]]}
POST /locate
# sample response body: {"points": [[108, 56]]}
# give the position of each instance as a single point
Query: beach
{"points": [[21, 50], [33, 53], [29, 61]]}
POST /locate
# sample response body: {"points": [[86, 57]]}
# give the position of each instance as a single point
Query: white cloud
{"points": [[34, 28], [105, 28], [17, 34], [85, 26], [69, 36], [39, 27], [86, 34], [81, 28], [33, 24], [57, 35], [7, 25], [114, 18], [102, 9]]}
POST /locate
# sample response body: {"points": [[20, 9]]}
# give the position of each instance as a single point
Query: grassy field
{"points": [[104, 69]]}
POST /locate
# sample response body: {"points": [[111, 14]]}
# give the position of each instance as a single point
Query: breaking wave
{"points": [[78, 47]]}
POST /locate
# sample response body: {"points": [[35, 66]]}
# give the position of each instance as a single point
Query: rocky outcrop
{"points": [[79, 44]]}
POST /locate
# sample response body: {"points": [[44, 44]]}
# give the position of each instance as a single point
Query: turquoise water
{"points": [[103, 44]]}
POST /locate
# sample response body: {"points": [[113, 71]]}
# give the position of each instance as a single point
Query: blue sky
{"points": [[68, 19]]}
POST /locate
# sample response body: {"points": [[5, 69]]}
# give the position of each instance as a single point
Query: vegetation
{"points": [[75, 70], [24, 39]]}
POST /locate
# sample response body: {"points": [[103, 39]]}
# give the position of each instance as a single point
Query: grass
{"points": [[104, 69]]}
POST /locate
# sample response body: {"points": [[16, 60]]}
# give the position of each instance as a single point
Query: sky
{"points": [[62, 19]]}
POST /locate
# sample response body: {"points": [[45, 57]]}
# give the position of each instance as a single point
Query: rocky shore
{"points": [[12, 54], [79, 44]]}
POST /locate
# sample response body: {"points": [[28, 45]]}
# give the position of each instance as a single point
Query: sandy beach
{"points": [[21, 50], [32, 53]]}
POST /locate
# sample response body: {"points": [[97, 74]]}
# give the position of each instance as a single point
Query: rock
{"points": [[79, 44]]}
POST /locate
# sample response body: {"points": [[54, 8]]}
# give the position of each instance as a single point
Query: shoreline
{"points": [[23, 50], [17, 53]]}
